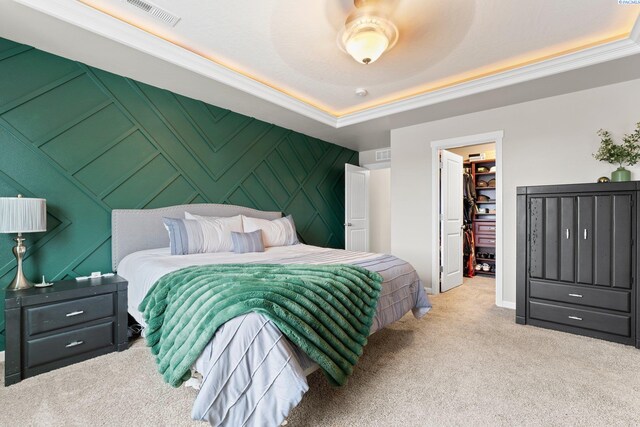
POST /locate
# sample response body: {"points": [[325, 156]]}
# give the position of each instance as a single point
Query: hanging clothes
{"points": [[470, 196], [469, 255]]}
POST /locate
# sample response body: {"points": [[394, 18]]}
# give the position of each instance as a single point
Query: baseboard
{"points": [[507, 304], [1, 356]]}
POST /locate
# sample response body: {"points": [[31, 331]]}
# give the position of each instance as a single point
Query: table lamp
{"points": [[22, 215]]}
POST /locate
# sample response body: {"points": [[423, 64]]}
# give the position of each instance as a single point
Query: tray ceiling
{"points": [[291, 45], [278, 60]]}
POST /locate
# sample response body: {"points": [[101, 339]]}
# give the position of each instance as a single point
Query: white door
{"points": [[356, 207], [451, 206]]}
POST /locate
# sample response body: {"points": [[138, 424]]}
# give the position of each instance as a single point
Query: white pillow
{"points": [[279, 232], [217, 231], [234, 222]]}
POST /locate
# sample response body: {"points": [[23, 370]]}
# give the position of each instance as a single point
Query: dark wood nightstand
{"points": [[71, 321]]}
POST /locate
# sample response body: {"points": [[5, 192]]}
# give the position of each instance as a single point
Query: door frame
{"points": [[483, 138]]}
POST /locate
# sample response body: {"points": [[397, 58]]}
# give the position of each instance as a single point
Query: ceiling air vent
{"points": [[383, 155], [157, 12]]}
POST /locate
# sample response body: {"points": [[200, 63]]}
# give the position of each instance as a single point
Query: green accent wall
{"points": [[90, 141]]}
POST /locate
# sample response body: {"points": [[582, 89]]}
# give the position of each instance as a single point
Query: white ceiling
{"points": [[278, 60]]}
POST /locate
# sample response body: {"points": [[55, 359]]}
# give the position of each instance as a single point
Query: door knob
{"points": [[348, 224]]}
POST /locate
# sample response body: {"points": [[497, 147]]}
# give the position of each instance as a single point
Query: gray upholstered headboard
{"points": [[134, 230]]}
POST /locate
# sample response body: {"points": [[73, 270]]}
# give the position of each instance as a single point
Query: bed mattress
{"points": [[400, 287]]}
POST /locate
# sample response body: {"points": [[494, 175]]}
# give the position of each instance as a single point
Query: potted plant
{"points": [[625, 154]]}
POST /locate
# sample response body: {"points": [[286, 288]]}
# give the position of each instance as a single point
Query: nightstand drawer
{"points": [[593, 320], [67, 344], [68, 313]]}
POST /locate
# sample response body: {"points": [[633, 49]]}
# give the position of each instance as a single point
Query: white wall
{"points": [[547, 141], [380, 210]]}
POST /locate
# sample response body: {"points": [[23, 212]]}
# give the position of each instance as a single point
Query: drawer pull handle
{"points": [[585, 234], [568, 234], [74, 344], [75, 313], [575, 295], [575, 317]]}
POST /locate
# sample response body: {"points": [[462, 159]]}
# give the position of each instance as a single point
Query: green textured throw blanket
{"points": [[326, 310]]}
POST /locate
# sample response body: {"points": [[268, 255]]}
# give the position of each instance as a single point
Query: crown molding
{"points": [[83, 16], [572, 61]]}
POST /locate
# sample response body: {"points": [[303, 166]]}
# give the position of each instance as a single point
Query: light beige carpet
{"points": [[466, 363]]}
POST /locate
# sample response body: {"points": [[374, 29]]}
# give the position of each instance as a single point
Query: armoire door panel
{"points": [[567, 239], [551, 238], [584, 264], [622, 243], [602, 231], [536, 237]]}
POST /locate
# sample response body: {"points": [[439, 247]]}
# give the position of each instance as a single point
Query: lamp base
{"points": [[19, 282]]}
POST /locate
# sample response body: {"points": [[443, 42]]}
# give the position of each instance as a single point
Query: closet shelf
{"points": [[487, 273], [479, 162]]}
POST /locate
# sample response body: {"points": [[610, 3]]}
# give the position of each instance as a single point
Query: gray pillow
{"points": [[247, 242]]}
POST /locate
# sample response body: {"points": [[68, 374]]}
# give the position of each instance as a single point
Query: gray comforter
{"points": [[252, 375]]}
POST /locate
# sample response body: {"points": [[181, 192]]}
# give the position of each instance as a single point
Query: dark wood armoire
{"points": [[577, 259]]}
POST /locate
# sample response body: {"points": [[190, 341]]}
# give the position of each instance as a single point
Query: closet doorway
{"points": [[480, 249]]}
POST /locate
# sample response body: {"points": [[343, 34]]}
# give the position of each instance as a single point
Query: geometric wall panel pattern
{"points": [[90, 141]]}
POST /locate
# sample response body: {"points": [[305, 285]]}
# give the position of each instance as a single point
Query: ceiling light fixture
{"points": [[367, 33]]}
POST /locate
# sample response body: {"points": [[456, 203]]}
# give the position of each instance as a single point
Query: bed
{"points": [[250, 373]]}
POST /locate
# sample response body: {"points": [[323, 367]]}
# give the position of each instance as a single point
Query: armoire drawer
{"points": [[581, 318], [486, 241], [581, 295], [485, 227]]}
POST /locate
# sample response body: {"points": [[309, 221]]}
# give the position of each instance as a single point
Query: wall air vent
{"points": [[383, 155], [155, 11]]}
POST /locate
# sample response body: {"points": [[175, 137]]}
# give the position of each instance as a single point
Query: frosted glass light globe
{"points": [[367, 45]]}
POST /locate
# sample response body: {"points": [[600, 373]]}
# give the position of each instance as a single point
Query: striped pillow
{"points": [[247, 242], [279, 232], [188, 236]]}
